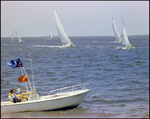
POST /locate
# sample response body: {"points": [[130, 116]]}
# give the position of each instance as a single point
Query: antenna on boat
{"points": [[31, 69]]}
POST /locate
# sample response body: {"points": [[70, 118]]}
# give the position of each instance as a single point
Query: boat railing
{"points": [[70, 88]]}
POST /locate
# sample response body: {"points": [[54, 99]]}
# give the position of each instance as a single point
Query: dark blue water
{"points": [[118, 78]]}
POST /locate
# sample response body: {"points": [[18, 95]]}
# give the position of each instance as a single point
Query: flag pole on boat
{"points": [[27, 77]]}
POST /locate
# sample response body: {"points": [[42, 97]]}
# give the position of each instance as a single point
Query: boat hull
{"points": [[118, 41], [68, 45], [63, 108], [47, 103], [128, 47]]}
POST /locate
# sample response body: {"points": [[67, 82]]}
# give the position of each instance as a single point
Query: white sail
{"points": [[19, 39], [50, 34], [124, 36], [11, 34], [62, 34], [123, 42], [117, 35]]}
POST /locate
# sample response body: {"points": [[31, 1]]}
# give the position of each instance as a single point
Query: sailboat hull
{"points": [[68, 45], [118, 41], [19, 40], [50, 102], [128, 47]]}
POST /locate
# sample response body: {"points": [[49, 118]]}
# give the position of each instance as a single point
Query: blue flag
{"points": [[15, 63]]}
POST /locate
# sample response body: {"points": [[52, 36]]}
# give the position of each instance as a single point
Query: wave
{"points": [[121, 47], [95, 41], [114, 47], [88, 46], [114, 42], [130, 100], [4, 83], [48, 46]]}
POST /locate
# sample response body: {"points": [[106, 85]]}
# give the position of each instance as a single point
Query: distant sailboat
{"points": [[19, 39], [11, 34], [62, 34], [117, 35], [125, 37], [50, 34]]}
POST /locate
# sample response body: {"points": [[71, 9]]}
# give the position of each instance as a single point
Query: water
{"points": [[118, 78]]}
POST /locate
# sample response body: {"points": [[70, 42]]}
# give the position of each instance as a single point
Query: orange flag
{"points": [[23, 78]]}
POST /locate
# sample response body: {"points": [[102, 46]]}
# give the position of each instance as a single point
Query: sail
{"points": [[62, 34], [117, 35], [50, 34], [123, 42], [19, 39], [124, 36], [11, 34]]}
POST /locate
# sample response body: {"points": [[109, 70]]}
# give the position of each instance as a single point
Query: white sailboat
{"points": [[63, 98], [11, 34], [117, 35], [62, 34], [19, 39], [50, 34], [125, 37]]}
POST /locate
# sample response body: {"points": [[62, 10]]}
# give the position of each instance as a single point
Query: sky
{"points": [[78, 18]]}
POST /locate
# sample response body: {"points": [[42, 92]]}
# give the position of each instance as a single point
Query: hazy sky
{"points": [[79, 18]]}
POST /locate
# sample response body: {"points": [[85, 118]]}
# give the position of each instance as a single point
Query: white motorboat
{"points": [[63, 98]]}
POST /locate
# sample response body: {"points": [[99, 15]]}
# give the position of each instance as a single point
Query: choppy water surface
{"points": [[114, 74]]}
